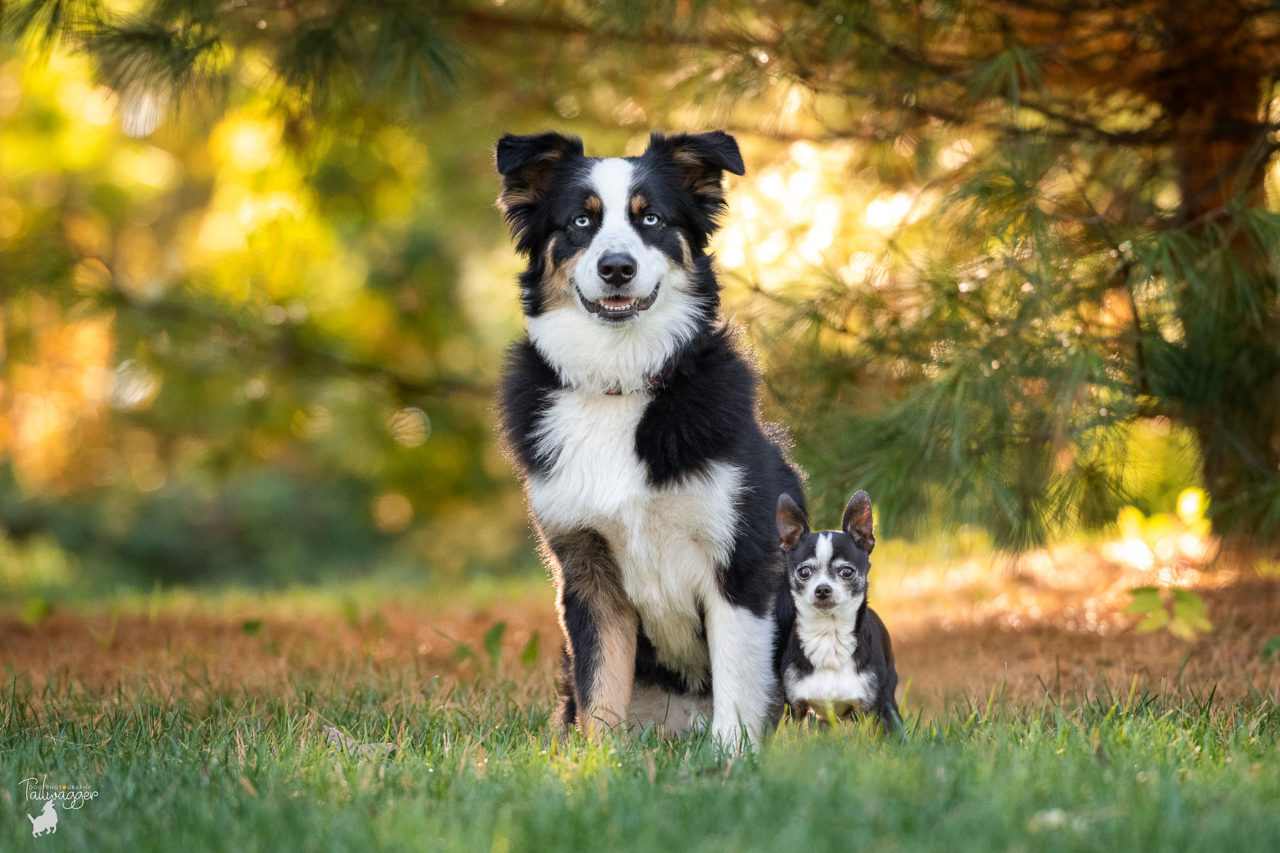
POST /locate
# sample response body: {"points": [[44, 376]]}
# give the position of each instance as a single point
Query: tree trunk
{"points": [[1210, 66], [1231, 373]]}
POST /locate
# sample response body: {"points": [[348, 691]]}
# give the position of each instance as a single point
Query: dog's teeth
{"points": [[622, 307]]}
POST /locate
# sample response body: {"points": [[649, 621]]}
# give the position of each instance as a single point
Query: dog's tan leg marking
{"points": [[615, 672], [583, 563]]}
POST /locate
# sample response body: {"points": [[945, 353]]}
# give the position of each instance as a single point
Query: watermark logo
{"points": [[66, 797], [46, 823]]}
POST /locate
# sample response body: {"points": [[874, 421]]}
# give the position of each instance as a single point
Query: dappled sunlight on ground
{"points": [[1054, 621], [1050, 622], [1074, 588]]}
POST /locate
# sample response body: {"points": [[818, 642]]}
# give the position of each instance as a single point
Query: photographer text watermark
{"points": [[67, 797]]}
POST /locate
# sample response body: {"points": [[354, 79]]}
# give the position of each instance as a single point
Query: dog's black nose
{"points": [[822, 591], [617, 268]]}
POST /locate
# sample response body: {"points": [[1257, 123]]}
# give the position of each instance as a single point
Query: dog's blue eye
{"points": [[651, 219], [582, 221]]}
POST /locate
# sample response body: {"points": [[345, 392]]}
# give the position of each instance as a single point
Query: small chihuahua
{"points": [[838, 659]]}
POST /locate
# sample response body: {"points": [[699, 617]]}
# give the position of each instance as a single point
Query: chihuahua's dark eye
{"points": [[846, 572], [582, 221], [803, 572]]}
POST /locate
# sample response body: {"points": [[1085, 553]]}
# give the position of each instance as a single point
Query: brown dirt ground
{"points": [[962, 632]]}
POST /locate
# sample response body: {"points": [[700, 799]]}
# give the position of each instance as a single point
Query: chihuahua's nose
{"points": [[822, 591], [617, 269]]}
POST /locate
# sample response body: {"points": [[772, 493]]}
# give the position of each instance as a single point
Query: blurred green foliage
{"points": [[227, 358], [1187, 620], [256, 295]]}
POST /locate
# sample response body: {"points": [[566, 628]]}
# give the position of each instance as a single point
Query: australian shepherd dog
{"points": [[634, 420]]}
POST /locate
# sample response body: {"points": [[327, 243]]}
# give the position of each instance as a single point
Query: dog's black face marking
{"points": [[530, 167], [694, 163]]}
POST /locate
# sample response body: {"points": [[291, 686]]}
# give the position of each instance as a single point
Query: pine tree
{"points": [[1106, 254]]}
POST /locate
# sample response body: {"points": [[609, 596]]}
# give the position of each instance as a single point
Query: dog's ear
{"points": [[857, 521], [526, 164], [791, 522], [702, 158]]}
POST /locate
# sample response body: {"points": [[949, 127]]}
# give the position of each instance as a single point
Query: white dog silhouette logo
{"points": [[47, 822]]}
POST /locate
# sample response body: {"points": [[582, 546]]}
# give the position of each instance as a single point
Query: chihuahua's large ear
{"points": [[702, 158], [791, 522], [526, 164], [857, 521]]}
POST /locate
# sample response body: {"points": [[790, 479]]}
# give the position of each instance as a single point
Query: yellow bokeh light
{"points": [[247, 144], [885, 214], [255, 210], [99, 106], [811, 211], [956, 154], [147, 166], [1192, 505], [141, 111], [392, 512], [53, 400], [11, 218], [10, 89], [221, 232]]}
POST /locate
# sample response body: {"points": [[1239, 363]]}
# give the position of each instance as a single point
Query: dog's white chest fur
{"points": [[828, 642], [669, 543]]}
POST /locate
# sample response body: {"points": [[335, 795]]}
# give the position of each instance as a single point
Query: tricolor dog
{"points": [[836, 658], [633, 419]]}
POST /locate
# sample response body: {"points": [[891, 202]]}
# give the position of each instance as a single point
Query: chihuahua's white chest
{"points": [[842, 689], [835, 682]]}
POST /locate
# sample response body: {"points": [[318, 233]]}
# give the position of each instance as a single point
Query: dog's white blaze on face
{"points": [[593, 353], [823, 550], [612, 181], [669, 543]]}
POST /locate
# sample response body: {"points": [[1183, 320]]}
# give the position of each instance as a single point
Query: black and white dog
{"points": [[836, 656], [634, 421]]}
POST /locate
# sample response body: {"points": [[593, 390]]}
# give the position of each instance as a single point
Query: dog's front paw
{"points": [[600, 724], [734, 737]]}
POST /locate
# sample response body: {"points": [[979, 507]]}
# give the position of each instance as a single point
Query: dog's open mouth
{"points": [[615, 309]]}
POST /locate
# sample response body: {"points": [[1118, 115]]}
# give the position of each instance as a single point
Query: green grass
{"points": [[477, 770]]}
